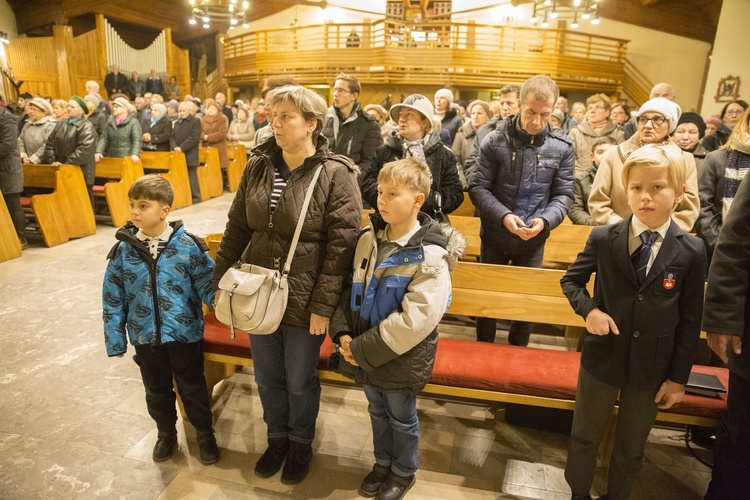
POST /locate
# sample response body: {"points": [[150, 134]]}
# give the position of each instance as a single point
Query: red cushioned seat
{"points": [[703, 406], [25, 201], [97, 189]]}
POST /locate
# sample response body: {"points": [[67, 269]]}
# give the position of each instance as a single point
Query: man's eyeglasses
{"points": [[735, 112], [339, 91], [656, 120]]}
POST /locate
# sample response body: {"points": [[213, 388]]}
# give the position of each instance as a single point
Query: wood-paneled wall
{"points": [[33, 61], [181, 68], [88, 65]]}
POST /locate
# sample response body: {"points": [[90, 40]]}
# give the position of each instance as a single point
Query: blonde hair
{"points": [[310, 105], [60, 104], [740, 131], [658, 155], [152, 187], [410, 172], [600, 97]]}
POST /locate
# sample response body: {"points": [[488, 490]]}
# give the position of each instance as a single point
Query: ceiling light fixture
{"points": [[571, 10], [219, 11]]}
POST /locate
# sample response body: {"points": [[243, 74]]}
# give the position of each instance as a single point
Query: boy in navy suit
{"points": [[643, 321]]}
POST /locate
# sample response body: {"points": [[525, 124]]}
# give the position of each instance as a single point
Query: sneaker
{"points": [[271, 460], [164, 446], [297, 463], [373, 481], [209, 451], [395, 487]]}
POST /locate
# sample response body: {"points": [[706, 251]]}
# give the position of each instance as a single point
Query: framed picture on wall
{"points": [[728, 90]]}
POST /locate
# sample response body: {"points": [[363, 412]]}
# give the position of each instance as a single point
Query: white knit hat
{"points": [[43, 104], [124, 103], [444, 93], [668, 108], [414, 101]]}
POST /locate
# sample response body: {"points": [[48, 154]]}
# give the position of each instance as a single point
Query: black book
{"points": [[704, 385]]}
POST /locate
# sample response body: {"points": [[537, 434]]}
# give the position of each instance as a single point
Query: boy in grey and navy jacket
{"points": [[157, 277], [386, 328]]}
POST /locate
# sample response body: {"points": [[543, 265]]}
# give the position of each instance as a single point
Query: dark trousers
{"points": [[636, 415], [184, 362], [195, 187], [730, 478], [509, 249], [13, 201]]}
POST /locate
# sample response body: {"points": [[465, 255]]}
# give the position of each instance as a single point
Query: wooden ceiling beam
{"points": [[676, 18]]}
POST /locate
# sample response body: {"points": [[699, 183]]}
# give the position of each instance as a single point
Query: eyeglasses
{"points": [[656, 120], [735, 112], [339, 91]]}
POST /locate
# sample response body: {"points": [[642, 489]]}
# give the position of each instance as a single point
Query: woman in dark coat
{"points": [[730, 116], [415, 137], [260, 228], [11, 172], [158, 131], [214, 127]]}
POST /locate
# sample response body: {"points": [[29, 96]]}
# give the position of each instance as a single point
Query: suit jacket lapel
{"points": [[619, 241], [669, 250]]}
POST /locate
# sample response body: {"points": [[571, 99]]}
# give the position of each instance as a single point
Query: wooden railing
{"points": [[635, 84], [465, 54]]}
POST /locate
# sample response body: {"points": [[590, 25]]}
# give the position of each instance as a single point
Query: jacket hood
{"points": [[42, 120], [127, 233], [586, 129]]}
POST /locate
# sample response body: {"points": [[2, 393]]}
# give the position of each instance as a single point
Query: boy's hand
{"points": [[318, 324], [345, 343], [719, 342], [600, 323], [669, 394]]}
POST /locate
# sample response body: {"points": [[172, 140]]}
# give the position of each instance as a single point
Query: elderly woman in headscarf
{"points": [[480, 113], [73, 141], [690, 130], [158, 130], [608, 201], [122, 136], [416, 136], [260, 227], [241, 130], [720, 178], [35, 133], [214, 128]]}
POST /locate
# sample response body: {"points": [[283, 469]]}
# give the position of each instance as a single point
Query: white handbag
{"points": [[253, 298]]}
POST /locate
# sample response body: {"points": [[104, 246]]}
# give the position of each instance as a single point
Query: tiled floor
{"points": [[74, 422]]}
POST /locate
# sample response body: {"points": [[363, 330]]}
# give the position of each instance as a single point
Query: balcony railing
{"points": [[465, 54]]}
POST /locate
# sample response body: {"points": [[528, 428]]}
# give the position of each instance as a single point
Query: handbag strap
{"points": [[301, 221]]}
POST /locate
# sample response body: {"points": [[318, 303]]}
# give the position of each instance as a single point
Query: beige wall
{"points": [[730, 56]]}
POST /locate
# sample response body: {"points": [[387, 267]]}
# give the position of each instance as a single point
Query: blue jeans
{"points": [[286, 371], [395, 429]]}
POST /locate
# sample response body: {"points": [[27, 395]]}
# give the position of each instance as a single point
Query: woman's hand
{"points": [[345, 343], [318, 324]]}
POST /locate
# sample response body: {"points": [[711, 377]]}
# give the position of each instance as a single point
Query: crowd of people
{"points": [[527, 160]]}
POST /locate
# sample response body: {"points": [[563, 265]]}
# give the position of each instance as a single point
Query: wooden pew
{"points": [[209, 173], [10, 245], [121, 172], [172, 166], [64, 213], [467, 208], [237, 160]]}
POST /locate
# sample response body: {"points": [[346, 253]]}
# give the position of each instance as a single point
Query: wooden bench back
{"points": [[209, 173], [467, 208], [173, 167], [40, 176], [237, 161], [119, 168]]}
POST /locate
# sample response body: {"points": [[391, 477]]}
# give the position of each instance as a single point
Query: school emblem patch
{"points": [[669, 280]]}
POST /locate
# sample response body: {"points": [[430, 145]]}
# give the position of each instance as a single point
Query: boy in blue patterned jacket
{"points": [[386, 328], [157, 277]]}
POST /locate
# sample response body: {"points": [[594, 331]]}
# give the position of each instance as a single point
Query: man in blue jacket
{"points": [[522, 188]]}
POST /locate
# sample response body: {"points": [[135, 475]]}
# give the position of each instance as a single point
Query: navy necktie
{"points": [[642, 254]]}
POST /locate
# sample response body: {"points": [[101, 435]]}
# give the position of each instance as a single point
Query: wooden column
{"points": [[169, 55], [66, 63], [101, 32]]}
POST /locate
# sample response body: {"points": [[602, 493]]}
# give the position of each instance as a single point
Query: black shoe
{"points": [[581, 497], [270, 462], [164, 446], [297, 463], [209, 451], [373, 481], [395, 487]]}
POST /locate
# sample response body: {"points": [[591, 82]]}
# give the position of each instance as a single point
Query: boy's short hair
{"points": [[605, 139], [410, 172], [152, 187], [658, 155]]}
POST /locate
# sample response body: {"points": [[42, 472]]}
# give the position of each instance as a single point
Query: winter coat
{"points": [[714, 141], [443, 166], [583, 137], [470, 163], [357, 138], [136, 88], [462, 147], [329, 232], [216, 130], [186, 134], [161, 133], [579, 210], [172, 91], [244, 130], [115, 84], [99, 120], [608, 201], [699, 153], [711, 192], [34, 137], [528, 176], [11, 167], [155, 301], [727, 307], [74, 144], [392, 311], [119, 141], [451, 122], [155, 85]]}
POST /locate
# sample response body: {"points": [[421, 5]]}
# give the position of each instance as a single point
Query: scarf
{"points": [[738, 164], [154, 121], [71, 121], [120, 119], [415, 148]]}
